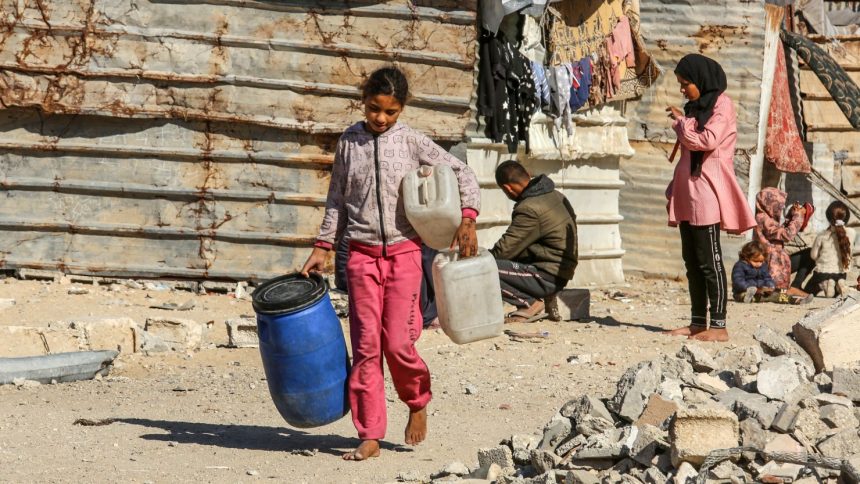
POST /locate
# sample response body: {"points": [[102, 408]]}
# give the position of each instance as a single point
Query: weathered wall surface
{"points": [[194, 138], [731, 33]]}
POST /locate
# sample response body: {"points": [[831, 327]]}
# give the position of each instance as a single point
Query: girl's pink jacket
{"points": [[714, 195], [364, 194]]}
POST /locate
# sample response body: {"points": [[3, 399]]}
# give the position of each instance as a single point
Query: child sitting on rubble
{"points": [[832, 254]]}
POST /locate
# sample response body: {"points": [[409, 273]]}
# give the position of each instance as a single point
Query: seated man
{"points": [[537, 254]]}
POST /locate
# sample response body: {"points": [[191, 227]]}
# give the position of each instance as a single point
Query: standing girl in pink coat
{"points": [[383, 268], [704, 196]]}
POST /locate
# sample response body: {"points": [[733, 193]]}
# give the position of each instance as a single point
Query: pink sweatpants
{"points": [[384, 318]]}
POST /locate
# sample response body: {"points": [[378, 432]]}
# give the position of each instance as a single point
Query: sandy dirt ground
{"points": [[207, 416]]}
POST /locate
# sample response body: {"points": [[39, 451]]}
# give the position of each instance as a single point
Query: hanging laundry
{"points": [[506, 91], [560, 85], [841, 87], [619, 44], [541, 85], [576, 29], [783, 146], [579, 94]]}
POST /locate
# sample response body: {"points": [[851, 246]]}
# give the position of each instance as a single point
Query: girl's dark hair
{"points": [[752, 249], [839, 211], [389, 81]]}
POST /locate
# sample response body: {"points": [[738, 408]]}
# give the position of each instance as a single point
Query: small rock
{"points": [[710, 384], [471, 390], [409, 476], [6, 303], [589, 425], [778, 472], [500, 455], [761, 410], [686, 474], [745, 359], [846, 380], [578, 408], [555, 432], [78, 291], [544, 461], [454, 469], [252, 472], [580, 477], [840, 445], [671, 390], [22, 383], [634, 388], [304, 452], [579, 359]]}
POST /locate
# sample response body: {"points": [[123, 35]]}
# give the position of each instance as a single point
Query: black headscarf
{"points": [[708, 75]]}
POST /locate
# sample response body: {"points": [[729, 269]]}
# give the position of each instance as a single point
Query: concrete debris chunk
{"points": [[779, 376], [696, 432], [779, 472], [829, 335], [580, 477], [500, 455], [578, 408], [698, 357], [242, 333], [761, 410], [544, 461], [710, 384], [177, 334], [808, 425], [589, 425], [635, 387], [744, 359], [686, 474], [555, 432], [840, 445], [846, 380], [657, 412], [521, 446], [644, 443], [838, 417], [851, 470]]}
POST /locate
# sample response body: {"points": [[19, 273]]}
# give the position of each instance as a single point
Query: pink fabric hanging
{"points": [[783, 145]]}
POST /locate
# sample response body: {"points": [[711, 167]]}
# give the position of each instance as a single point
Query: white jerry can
{"points": [[431, 199], [468, 296]]}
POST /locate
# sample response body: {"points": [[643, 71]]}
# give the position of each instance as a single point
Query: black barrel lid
{"points": [[289, 293]]}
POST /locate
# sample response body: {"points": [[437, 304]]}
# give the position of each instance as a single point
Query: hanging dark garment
{"points": [[841, 87]]}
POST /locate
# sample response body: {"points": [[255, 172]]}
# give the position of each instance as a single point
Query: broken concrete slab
{"points": [[556, 431], [846, 380], [730, 397], [851, 469], [22, 341], [761, 410], [840, 445], [744, 359], [779, 472], [634, 388], [242, 333], [829, 335], [119, 333], [808, 425], [831, 399], [783, 443], [696, 432], [754, 435], [676, 369], [686, 474], [521, 447], [589, 425], [652, 475], [710, 384], [838, 417], [698, 357], [779, 376], [657, 412], [671, 390], [177, 334]]}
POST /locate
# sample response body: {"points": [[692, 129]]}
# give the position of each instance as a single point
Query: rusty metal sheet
{"points": [[170, 138], [294, 67]]}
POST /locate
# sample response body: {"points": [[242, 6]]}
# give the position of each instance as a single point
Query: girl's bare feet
{"points": [[713, 334], [793, 291], [685, 331], [416, 427], [365, 450]]}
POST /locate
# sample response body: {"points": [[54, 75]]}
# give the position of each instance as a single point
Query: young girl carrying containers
{"points": [[384, 266]]}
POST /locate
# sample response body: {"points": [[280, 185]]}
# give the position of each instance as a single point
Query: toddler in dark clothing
{"points": [[750, 275], [752, 282]]}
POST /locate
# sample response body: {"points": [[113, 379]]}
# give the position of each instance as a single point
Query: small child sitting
{"points": [[832, 254], [751, 275]]}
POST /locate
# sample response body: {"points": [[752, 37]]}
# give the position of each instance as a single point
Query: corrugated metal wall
{"points": [[193, 138], [732, 33]]}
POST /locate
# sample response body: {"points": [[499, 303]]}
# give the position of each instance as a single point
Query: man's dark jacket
{"points": [[542, 231]]}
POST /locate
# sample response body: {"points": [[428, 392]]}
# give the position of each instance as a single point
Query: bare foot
{"points": [[793, 291], [685, 331], [416, 428], [365, 450], [713, 334]]}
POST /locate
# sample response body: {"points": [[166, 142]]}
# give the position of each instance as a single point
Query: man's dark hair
{"points": [[511, 172]]}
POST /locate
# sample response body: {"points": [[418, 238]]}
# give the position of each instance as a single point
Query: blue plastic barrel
{"points": [[303, 350]]}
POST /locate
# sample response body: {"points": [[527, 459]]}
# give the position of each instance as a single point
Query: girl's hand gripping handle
{"points": [[466, 238]]}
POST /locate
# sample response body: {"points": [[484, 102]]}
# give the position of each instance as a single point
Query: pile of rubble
{"points": [[784, 411]]}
